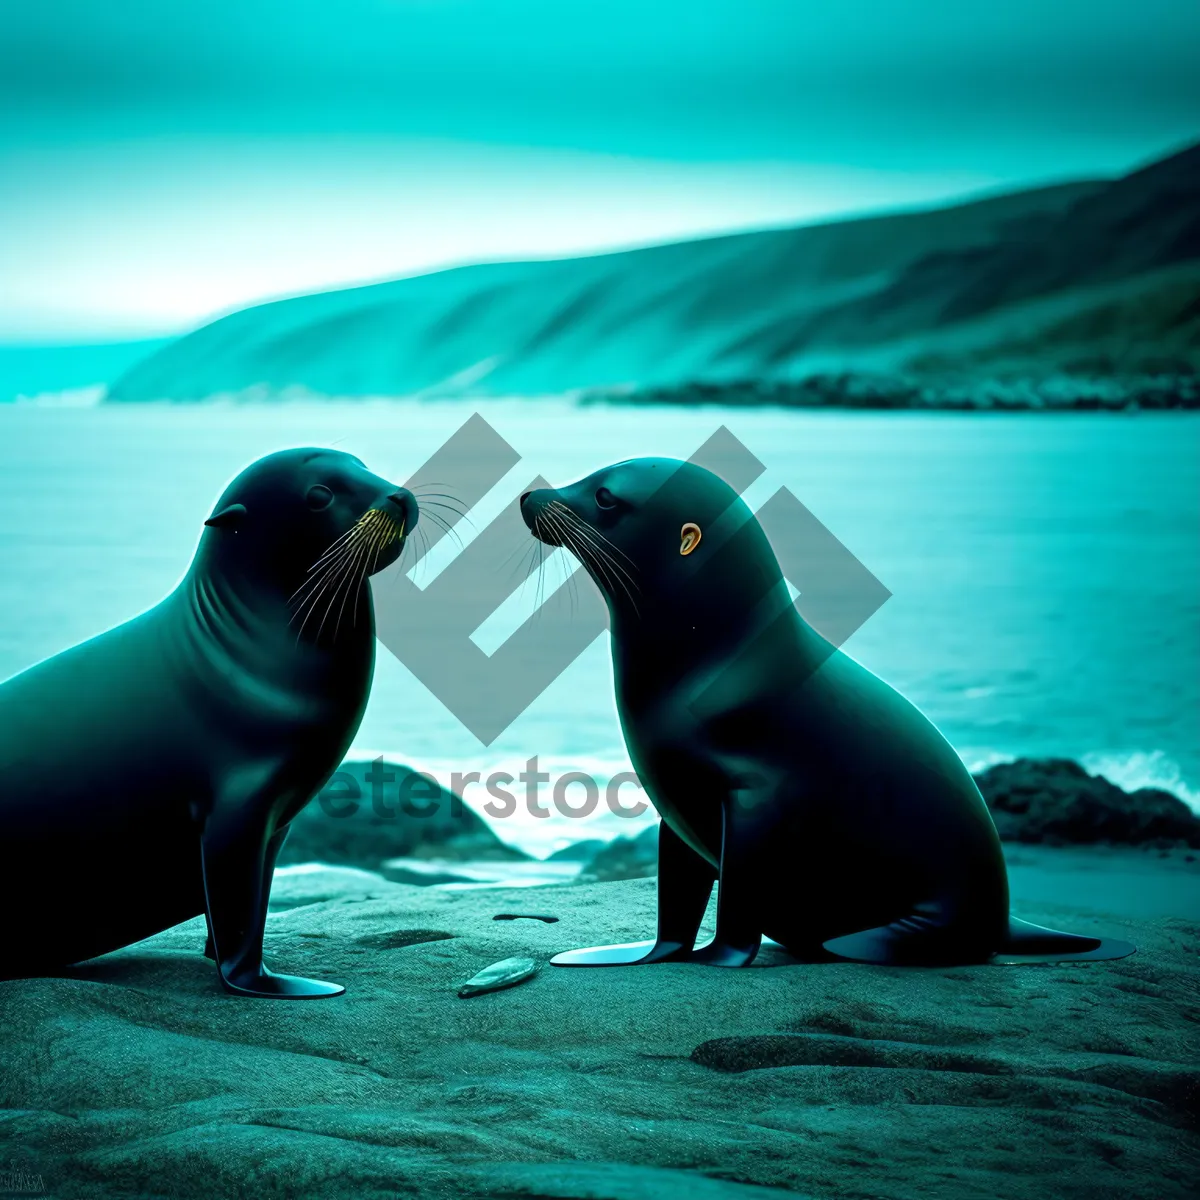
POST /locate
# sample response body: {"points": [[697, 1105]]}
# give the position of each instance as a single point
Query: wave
{"points": [[1143, 769], [80, 397], [1128, 769]]}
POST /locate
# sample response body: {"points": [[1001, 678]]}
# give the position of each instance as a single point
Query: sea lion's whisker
{"points": [[384, 537], [530, 563], [365, 527], [628, 584], [569, 572], [611, 545], [420, 548], [423, 533], [438, 520], [517, 559], [314, 583], [581, 530], [598, 555], [555, 526], [344, 577], [428, 507], [355, 530], [332, 576], [333, 554], [444, 526], [441, 499], [520, 550], [585, 553], [354, 583], [336, 553], [386, 532], [540, 583], [458, 512], [602, 544], [604, 567], [332, 557], [438, 495]]}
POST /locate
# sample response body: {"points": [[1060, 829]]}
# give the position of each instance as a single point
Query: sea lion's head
{"points": [[310, 525], [658, 536]]}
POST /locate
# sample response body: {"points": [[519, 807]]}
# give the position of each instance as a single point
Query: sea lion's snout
{"points": [[405, 504], [538, 513], [383, 529]]}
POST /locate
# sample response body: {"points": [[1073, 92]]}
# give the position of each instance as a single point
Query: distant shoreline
{"points": [[855, 390], [845, 391]]}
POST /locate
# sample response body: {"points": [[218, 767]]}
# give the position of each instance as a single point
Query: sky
{"points": [[162, 164]]}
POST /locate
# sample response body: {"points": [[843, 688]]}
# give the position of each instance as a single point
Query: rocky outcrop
{"points": [[370, 812], [1175, 386], [1054, 800], [624, 858]]}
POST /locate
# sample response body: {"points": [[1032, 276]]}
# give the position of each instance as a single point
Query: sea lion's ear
{"points": [[228, 518], [689, 538]]}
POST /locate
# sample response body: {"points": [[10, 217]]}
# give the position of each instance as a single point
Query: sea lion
{"points": [[149, 774], [836, 818]]}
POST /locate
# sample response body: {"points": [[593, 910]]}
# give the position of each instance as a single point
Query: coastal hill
{"points": [[1096, 278]]}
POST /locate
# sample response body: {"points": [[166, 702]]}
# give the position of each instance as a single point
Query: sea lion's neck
{"points": [[669, 638], [241, 621]]}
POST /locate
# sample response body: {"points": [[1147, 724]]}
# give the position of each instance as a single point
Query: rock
{"points": [[370, 812], [374, 812], [624, 858], [504, 974], [421, 873], [1054, 800], [581, 851]]}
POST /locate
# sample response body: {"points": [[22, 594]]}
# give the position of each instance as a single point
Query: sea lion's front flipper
{"points": [[739, 923], [238, 863], [685, 883], [624, 954]]}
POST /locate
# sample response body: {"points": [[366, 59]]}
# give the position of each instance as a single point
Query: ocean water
{"points": [[1045, 569]]}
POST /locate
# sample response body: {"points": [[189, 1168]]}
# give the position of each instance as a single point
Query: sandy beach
{"points": [[135, 1075]]}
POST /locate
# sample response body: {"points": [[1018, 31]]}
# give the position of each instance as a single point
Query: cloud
{"points": [[151, 236]]}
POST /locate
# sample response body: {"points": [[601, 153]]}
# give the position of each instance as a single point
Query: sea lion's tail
{"points": [[1028, 943]]}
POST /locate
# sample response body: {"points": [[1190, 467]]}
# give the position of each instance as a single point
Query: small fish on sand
{"points": [[504, 974]]}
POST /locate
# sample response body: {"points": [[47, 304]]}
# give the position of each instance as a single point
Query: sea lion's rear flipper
{"points": [[238, 863], [1029, 943], [927, 941], [914, 941], [685, 882]]}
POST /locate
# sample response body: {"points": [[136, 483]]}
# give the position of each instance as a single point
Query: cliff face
{"points": [[1100, 276]]}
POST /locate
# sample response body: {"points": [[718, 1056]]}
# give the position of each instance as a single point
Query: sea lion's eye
{"points": [[319, 497], [605, 499]]}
